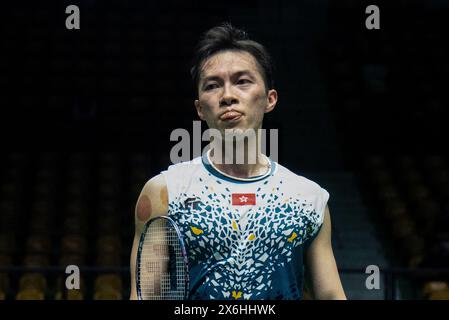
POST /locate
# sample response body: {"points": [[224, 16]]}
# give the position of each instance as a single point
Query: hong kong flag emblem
{"points": [[243, 199]]}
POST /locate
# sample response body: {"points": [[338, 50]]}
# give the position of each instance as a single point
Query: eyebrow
{"points": [[238, 73]]}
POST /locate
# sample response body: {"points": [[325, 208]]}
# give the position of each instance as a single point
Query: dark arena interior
{"points": [[86, 117]]}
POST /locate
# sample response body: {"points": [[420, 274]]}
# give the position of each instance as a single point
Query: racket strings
{"points": [[161, 267]]}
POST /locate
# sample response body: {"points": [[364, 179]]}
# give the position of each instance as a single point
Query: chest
{"points": [[244, 222]]}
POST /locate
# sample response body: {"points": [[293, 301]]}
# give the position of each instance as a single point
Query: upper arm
{"points": [[321, 269], [152, 202]]}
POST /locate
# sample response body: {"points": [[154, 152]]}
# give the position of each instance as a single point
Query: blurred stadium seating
{"points": [[67, 225], [120, 88]]}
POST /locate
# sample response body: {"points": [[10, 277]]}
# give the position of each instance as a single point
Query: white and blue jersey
{"points": [[245, 238]]}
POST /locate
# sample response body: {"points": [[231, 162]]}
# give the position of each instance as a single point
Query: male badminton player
{"points": [[252, 229]]}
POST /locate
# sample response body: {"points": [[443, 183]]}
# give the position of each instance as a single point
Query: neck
{"points": [[244, 170], [241, 158]]}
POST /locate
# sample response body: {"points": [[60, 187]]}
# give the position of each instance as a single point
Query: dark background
{"points": [[86, 114]]}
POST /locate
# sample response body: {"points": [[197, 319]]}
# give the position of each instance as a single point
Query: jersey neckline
{"points": [[217, 173]]}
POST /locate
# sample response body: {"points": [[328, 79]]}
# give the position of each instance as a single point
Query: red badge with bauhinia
{"points": [[243, 199]]}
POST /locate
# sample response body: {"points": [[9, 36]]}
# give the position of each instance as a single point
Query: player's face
{"points": [[231, 92]]}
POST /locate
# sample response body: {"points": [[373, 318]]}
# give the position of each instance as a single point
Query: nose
{"points": [[228, 98]]}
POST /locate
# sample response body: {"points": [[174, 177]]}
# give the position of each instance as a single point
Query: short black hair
{"points": [[226, 37]]}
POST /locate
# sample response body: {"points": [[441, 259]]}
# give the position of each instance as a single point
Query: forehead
{"points": [[229, 62]]}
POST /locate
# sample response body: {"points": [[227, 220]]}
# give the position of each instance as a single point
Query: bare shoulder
{"points": [[327, 213], [323, 238], [153, 199], [326, 227]]}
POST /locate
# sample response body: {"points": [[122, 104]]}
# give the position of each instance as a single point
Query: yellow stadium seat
{"points": [[434, 286], [73, 244], [70, 295], [39, 244], [74, 294], [108, 281], [30, 294], [33, 281], [439, 295], [107, 294]]}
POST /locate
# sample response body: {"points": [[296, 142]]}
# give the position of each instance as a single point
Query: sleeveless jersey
{"points": [[245, 239]]}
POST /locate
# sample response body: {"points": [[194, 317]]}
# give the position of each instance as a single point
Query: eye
{"points": [[243, 81], [210, 86]]}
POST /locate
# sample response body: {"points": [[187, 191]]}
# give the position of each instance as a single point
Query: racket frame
{"points": [[183, 252]]}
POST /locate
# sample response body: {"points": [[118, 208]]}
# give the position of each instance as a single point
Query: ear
{"points": [[272, 99], [199, 109]]}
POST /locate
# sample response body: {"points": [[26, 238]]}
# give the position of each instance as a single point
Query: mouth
{"points": [[230, 116]]}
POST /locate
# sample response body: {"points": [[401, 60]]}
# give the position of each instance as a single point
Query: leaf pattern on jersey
{"points": [[241, 247]]}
